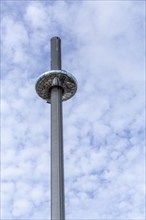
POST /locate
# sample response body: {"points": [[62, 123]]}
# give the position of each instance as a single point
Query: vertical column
{"points": [[57, 162], [55, 53]]}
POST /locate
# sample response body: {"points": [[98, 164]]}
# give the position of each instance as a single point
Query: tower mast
{"points": [[57, 167], [56, 86]]}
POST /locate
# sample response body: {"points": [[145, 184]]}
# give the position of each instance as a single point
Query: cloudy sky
{"points": [[103, 47]]}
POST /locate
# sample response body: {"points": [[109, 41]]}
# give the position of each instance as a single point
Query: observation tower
{"points": [[55, 86]]}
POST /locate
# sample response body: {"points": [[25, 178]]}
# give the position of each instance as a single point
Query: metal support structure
{"points": [[56, 86], [57, 165]]}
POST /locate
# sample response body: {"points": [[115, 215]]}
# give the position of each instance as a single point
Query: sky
{"points": [[104, 156]]}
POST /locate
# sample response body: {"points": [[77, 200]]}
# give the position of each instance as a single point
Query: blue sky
{"points": [[103, 47]]}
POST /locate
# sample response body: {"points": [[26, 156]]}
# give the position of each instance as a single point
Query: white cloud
{"points": [[21, 207], [36, 15], [102, 43]]}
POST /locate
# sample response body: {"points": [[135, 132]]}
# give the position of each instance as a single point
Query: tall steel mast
{"points": [[56, 86]]}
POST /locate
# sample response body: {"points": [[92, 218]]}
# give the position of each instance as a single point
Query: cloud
{"points": [[21, 207], [103, 47]]}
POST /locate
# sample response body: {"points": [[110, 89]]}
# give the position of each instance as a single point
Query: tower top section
{"points": [[56, 76], [55, 53]]}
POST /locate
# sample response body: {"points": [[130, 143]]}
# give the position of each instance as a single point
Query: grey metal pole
{"points": [[56, 86], [55, 53], [57, 161]]}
